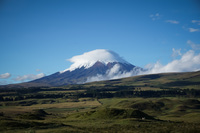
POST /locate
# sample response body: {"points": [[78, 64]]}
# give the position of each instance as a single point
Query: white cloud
{"points": [[110, 74], [5, 75], [196, 22], [193, 45], [155, 16], [29, 77], [172, 21], [193, 30], [176, 52], [114, 73], [189, 61], [88, 59]]}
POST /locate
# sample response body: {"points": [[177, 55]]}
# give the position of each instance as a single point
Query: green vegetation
{"points": [[149, 103]]}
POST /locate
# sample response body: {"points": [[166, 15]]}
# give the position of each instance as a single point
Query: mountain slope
{"points": [[91, 66], [88, 59], [81, 75], [162, 80]]}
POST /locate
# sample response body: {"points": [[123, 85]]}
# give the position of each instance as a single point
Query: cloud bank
{"points": [[187, 62], [5, 75], [28, 77], [114, 73]]}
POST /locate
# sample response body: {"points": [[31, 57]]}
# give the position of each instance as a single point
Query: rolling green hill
{"points": [[168, 102], [165, 80]]}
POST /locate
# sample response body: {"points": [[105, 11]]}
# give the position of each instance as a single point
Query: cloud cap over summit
{"points": [[88, 59], [96, 65]]}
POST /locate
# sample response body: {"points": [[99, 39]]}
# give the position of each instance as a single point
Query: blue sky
{"points": [[37, 36]]}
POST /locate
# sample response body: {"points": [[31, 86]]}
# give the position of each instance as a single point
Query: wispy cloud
{"points": [[155, 16], [5, 75], [176, 52], [196, 22], [193, 45], [29, 77], [193, 30], [172, 21]]}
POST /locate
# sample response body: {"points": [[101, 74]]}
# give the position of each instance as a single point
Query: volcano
{"points": [[91, 66]]}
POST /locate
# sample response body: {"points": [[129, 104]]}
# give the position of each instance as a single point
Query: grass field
{"points": [[104, 115], [106, 107]]}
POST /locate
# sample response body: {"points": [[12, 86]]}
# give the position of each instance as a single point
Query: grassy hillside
{"points": [[153, 81], [146, 103], [105, 115]]}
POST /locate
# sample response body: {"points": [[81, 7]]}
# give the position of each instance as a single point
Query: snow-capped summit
{"points": [[88, 59], [91, 66]]}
